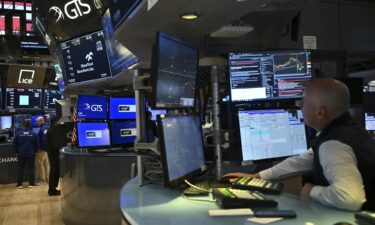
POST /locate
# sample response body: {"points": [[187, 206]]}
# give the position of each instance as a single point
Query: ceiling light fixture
{"points": [[189, 16]]}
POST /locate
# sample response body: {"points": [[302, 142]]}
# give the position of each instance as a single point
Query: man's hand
{"points": [[233, 176], [306, 189]]}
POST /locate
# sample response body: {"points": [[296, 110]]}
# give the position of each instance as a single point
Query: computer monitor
{"points": [[33, 119], [85, 59], [91, 107], [271, 133], [370, 121], [181, 144], [6, 122], [123, 132], [174, 72], [120, 58], [268, 75], [50, 98], [19, 98], [122, 108], [93, 134]]}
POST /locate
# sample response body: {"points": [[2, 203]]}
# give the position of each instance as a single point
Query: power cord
{"points": [[196, 187]]}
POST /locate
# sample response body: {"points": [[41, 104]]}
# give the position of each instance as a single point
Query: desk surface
{"points": [[155, 204]]}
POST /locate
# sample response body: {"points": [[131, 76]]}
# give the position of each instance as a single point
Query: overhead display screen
{"points": [[25, 76], [85, 58], [50, 97], [18, 98]]}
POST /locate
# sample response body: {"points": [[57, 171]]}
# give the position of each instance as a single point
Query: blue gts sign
{"points": [[91, 107]]}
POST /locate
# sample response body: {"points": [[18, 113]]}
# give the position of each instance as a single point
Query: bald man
{"points": [[343, 162], [42, 156]]}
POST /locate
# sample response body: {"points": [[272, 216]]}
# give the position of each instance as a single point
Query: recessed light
{"points": [[189, 16]]}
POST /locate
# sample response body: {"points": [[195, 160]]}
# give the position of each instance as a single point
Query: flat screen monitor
{"points": [[368, 101], [6, 122], [268, 75], [120, 10], [123, 132], [33, 120], [93, 134], [19, 98], [50, 98], [85, 59], [271, 133], [25, 76], [120, 58], [91, 107], [181, 142], [174, 73], [122, 108], [370, 121]]}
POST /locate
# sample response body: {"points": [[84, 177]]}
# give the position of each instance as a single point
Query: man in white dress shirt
{"points": [[343, 162]]}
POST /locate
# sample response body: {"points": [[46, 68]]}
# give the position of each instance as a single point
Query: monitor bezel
{"points": [[96, 146], [250, 161], [179, 180], [155, 60], [264, 99]]}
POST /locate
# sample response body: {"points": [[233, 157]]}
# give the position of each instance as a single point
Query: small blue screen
{"points": [[92, 107], [123, 132], [122, 108], [93, 134]]}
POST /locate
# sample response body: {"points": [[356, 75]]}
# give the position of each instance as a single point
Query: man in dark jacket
{"points": [[56, 138], [26, 146]]}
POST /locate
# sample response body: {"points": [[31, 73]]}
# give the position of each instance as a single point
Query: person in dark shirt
{"points": [[42, 157], [26, 146], [56, 138]]}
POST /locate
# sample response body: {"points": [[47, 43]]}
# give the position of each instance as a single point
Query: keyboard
{"points": [[205, 185], [365, 217], [257, 184], [229, 198]]}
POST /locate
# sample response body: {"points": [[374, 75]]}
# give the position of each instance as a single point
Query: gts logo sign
{"points": [[93, 108]]}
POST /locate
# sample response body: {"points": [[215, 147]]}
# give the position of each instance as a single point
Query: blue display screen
{"points": [[92, 107], [122, 108], [93, 134], [123, 132], [33, 120]]}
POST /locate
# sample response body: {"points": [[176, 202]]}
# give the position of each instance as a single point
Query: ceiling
{"points": [[268, 17]]}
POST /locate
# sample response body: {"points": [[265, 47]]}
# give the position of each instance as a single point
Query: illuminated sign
{"points": [[26, 76], [72, 10]]}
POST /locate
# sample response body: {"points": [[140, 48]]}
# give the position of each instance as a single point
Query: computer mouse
{"points": [[342, 223]]}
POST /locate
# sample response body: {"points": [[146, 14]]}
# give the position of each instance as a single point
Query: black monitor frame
{"points": [[177, 181], [152, 101]]}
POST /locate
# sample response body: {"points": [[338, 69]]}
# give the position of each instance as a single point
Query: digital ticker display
{"points": [[85, 58], [19, 98]]}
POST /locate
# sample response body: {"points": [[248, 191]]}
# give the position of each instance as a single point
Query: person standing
{"points": [[26, 146], [42, 156], [56, 138]]}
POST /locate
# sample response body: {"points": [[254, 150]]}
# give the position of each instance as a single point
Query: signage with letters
{"points": [[25, 76]]}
